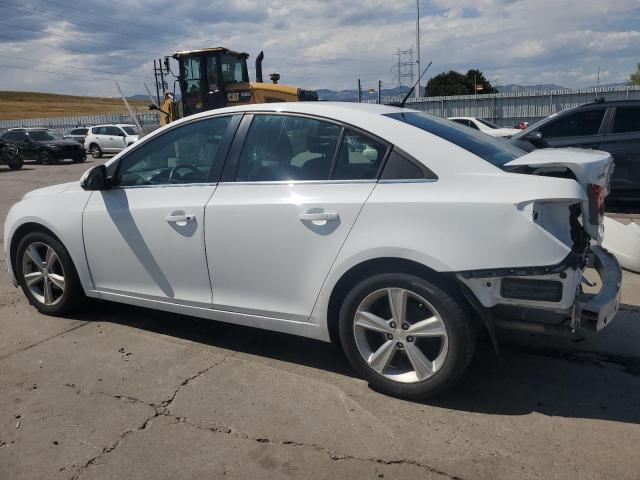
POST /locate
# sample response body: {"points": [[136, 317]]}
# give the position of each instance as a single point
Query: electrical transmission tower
{"points": [[403, 67]]}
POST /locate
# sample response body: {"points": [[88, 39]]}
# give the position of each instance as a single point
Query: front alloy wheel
{"points": [[47, 275], [43, 273]]}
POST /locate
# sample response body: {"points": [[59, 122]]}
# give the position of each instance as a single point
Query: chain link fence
{"points": [[149, 121]]}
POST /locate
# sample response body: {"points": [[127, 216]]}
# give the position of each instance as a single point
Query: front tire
{"points": [[15, 162], [47, 275], [407, 336]]}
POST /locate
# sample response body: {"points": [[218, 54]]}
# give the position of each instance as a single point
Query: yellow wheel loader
{"points": [[218, 77]]}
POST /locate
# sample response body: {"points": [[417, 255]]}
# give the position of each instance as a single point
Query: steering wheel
{"points": [[185, 166]]}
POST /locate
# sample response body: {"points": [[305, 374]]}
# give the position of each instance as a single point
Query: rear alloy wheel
{"points": [[43, 158], [47, 275], [95, 150], [406, 336]]}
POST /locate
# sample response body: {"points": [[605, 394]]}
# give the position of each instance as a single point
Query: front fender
{"points": [[62, 215]]}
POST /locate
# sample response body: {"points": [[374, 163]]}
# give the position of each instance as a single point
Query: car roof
{"points": [[111, 125]]}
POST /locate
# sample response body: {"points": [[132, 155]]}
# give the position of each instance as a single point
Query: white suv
{"points": [[109, 138]]}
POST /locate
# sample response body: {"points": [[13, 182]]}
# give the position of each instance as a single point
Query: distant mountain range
{"points": [[352, 95]]}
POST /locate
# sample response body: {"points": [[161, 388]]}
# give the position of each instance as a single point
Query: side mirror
{"points": [[95, 179], [533, 136]]}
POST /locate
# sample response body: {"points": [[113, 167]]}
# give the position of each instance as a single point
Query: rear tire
{"points": [[47, 275], [419, 351], [96, 151]]}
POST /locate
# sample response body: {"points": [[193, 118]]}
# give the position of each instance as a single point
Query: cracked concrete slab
{"points": [[118, 360], [193, 452], [50, 431]]}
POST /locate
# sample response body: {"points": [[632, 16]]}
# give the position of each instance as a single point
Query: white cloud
{"points": [[317, 44]]}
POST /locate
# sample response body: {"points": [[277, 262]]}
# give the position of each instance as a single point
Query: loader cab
{"points": [[212, 78]]}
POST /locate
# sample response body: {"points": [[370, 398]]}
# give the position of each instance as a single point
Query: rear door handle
{"points": [[318, 216], [180, 218]]}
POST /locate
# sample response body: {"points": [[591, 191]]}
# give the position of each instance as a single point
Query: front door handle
{"points": [[318, 216], [180, 218]]}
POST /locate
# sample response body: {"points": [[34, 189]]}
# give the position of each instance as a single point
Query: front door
{"points": [[145, 236], [275, 228], [114, 140]]}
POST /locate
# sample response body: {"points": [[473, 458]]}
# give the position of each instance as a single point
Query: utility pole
{"points": [[162, 84], [155, 75], [379, 91], [417, 90], [359, 91]]}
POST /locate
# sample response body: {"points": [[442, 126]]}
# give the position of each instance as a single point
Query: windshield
{"points": [[487, 124], [43, 135], [130, 130], [493, 150]]}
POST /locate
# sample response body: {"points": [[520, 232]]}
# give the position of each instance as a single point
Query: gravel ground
{"points": [[119, 391]]}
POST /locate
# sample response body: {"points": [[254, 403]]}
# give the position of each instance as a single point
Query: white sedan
{"points": [[486, 127], [267, 216]]}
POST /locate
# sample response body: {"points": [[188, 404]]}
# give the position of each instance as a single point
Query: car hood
{"points": [[53, 190], [507, 131]]}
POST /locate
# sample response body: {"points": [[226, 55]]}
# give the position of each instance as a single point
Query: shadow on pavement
{"points": [[516, 382]]}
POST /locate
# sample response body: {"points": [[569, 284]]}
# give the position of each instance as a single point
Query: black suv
{"points": [[610, 126], [44, 146]]}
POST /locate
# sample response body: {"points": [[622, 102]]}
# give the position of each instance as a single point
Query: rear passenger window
{"points": [[627, 120], [399, 167], [285, 147], [360, 157], [579, 124]]}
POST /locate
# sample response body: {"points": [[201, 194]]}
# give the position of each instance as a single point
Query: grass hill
{"points": [[17, 105]]}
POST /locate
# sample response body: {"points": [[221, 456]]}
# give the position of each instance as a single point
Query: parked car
{"points": [[262, 215], [77, 134], [9, 155], [610, 126], [485, 126], [110, 139], [44, 146]]}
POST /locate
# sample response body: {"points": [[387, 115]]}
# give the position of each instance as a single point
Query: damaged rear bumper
{"points": [[554, 289], [596, 311]]}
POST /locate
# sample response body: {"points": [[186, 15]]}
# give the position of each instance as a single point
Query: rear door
{"points": [[622, 141], [583, 129], [291, 191], [114, 139]]}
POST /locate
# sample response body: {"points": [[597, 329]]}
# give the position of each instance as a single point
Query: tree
{"points": [[634, 78], [456, 83]]}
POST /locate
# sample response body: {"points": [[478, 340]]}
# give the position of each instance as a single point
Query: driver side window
{"points": [[184, 154]]}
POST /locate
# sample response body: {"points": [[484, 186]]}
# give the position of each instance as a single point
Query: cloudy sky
{"points": [[67, 46]]}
